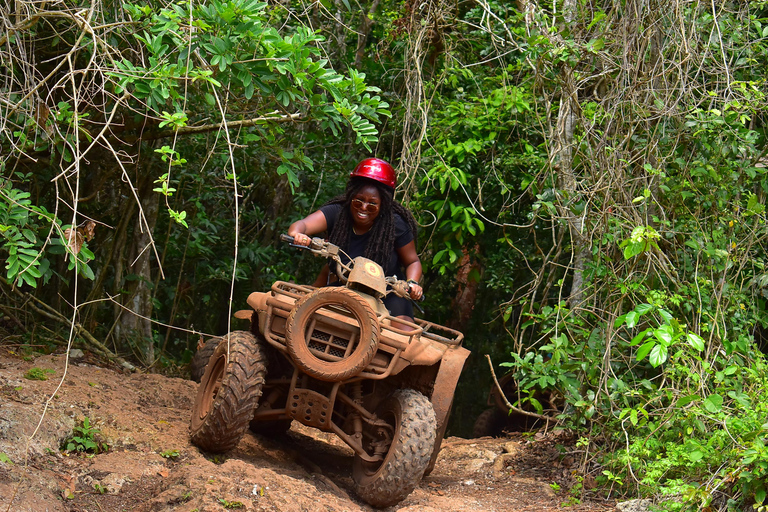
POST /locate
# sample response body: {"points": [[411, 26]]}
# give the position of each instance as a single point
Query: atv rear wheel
{"points": [[314, 352], [229, 393], [200, 359], [413, 438]]}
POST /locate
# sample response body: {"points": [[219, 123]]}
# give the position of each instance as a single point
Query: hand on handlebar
{"points": [[317, 246], [301, 239], [415, 291], [406, 289]]}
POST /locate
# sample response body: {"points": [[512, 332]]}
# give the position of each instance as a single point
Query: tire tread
{"points": [[409, 454], [237, 398]]}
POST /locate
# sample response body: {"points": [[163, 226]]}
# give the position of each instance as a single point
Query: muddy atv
{"points": [[334, 359]]}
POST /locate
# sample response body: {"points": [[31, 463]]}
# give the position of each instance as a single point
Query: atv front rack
{"points": [[334, 333]]}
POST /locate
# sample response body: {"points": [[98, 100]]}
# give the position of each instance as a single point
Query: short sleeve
{"points": [[403, 234], [331, 212]]}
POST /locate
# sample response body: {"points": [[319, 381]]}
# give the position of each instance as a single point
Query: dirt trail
{"points": [[151, 466]]}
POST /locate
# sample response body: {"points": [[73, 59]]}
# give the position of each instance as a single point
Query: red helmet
{"points": [[376, 169]]}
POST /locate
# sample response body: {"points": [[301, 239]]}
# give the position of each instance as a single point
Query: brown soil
{"points": [[151, 465]]}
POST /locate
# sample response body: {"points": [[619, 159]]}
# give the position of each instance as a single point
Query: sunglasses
{"points": [[362, 205]]}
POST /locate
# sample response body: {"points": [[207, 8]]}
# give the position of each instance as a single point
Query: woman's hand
{"points": [[300, 239], [415, 291], [310, 225]]}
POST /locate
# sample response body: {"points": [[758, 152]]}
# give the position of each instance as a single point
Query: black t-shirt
{"points": [[358, 243]]}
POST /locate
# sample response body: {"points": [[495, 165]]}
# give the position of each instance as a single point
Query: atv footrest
{"points": [[310, 408]]}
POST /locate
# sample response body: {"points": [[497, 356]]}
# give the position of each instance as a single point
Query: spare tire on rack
{"points": [[318, 354], [229, 393]]}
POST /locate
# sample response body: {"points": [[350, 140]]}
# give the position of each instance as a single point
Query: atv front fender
{"points": [[442, 395]]}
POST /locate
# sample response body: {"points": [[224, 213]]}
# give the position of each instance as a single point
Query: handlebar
{"points": [[403, 289], [326, 249], [316, 246]]}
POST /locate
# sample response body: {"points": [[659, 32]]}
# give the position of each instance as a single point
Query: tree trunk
{"points": [[564, 141], [463, 303], [364, 31], [134, 327]]}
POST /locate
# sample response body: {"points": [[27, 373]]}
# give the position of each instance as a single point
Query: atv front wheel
{"points": [[412, 439], [328, 356], [200, 359], [229, 393]]}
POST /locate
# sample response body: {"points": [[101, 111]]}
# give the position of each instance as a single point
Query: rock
{"points": [[468, 452], [512, 447], [18, 421], [500, 464], [129, 465], [113, 483], [76, 353], [634, 506]]}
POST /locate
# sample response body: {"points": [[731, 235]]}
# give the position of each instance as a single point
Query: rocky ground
{"points": [[150, 464]]}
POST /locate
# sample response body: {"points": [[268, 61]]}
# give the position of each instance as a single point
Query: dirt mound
{"points": [[151, 465]]}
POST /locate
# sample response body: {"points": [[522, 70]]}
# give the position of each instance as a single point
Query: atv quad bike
{"points": [[334, 359]]}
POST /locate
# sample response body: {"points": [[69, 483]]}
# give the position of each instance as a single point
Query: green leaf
{"points": [[682, 402], [658, 355], [29, 279], [696, 455], [642, 309], [713, 403], [760, 496], [87, 272], [631, 250], [644, 350], [664, 334], [632, 317], [640, 336], [695, 341]]}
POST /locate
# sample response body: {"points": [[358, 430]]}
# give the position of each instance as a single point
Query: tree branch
{"points": [[188, 130], [512, 407], [47, 311]]}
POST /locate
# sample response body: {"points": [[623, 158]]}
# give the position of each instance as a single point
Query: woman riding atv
{"points": [[367, 221]]}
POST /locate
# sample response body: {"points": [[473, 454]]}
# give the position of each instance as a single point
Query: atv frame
{"points": [[336, 361]]}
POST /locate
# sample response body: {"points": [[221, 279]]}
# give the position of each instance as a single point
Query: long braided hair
{"points": [[382, 238]]}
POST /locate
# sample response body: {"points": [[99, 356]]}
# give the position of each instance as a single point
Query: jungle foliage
{"points": [[590, 178]]}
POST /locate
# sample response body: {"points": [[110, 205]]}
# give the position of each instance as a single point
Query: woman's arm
{"points": [[322, 277], [303, 229], [412, 264]]}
